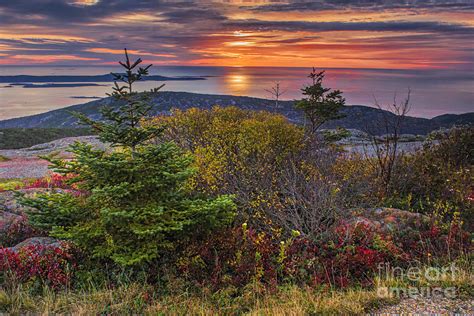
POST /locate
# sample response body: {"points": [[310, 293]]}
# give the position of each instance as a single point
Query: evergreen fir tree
{"points": [[321, 104], [136, 203], [121, 127]]}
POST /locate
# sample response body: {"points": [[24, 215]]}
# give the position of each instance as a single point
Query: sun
{"points": [[241, 34], [240, 43], [84, 2]]}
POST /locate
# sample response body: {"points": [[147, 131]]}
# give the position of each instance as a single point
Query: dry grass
{"points": [[296, 301], [135, 298]]}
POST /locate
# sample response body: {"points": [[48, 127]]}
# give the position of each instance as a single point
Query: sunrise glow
{"points": [[297, 34]]}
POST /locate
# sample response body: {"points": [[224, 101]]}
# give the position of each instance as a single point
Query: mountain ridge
{"points": [[357, 116]]}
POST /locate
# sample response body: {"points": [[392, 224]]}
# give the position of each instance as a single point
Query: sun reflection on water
{"points": [[237, 83]]}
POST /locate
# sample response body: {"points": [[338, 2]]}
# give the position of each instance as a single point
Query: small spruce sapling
{"points": [[320, 104], [135, 203]]}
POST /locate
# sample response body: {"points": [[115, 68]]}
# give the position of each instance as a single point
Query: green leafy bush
{"points": [[438, 179], [238, 152]]}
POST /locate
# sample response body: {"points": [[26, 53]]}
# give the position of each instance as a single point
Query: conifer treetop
{"points": [[120, 125]]}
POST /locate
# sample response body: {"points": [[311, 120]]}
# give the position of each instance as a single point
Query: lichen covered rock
{"points": [[388, 220]]}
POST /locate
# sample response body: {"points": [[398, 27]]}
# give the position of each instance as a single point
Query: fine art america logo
{"points": [[430, 275]]}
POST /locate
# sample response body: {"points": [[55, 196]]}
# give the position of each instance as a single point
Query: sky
{"points": [[324, 33]]}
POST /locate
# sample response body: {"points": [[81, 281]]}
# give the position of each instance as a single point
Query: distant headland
{"points": [[84, 78]]}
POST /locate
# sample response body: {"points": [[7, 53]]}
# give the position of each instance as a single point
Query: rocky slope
{"points": [[25, 163]]}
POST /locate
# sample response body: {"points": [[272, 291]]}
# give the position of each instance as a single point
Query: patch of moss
{"points": [[3, 158], [7, 184]]}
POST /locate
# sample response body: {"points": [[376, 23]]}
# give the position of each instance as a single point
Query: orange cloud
{"points": [[130, 51], [51, 58], [51, 37]]}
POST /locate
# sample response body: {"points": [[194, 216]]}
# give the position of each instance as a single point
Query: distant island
{"points": [[86, 78], [56, 85], [84, 97]]}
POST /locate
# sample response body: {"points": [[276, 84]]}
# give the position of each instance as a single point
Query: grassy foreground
{"points": [[136, 298], [177, 299]]}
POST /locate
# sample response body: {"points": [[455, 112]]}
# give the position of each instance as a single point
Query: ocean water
{"points": [[433, 92]]}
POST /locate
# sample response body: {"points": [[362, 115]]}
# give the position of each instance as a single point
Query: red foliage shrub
{"points": [[351, 254], [231, 257], [51, 265], [239, 256], [17, 231], [429, 240], [55, 180]]}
